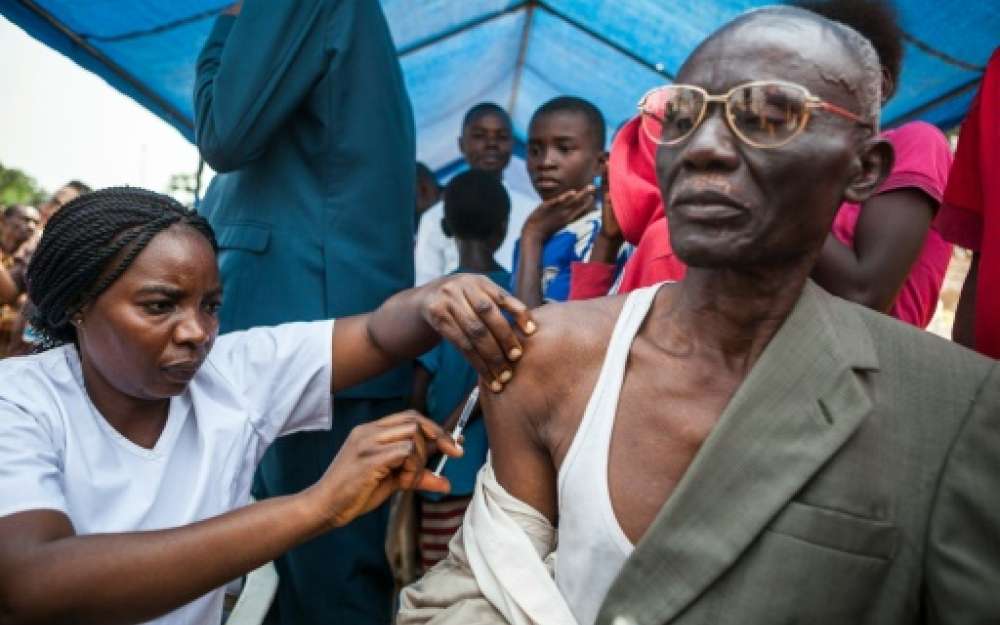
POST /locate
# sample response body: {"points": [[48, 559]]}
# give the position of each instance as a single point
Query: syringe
{"points": [[463, 419]]}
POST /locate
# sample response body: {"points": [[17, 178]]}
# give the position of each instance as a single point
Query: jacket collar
{"points": [[801, 401]]}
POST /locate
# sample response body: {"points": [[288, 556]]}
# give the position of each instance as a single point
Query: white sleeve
{"points": [[428, 256], [30, 466], [283, 373]]}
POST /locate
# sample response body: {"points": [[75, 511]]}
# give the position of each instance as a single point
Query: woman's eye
{"points": [[158, 308], [213, 307]]}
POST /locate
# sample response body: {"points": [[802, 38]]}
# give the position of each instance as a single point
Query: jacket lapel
{"points": [[801, 401]]}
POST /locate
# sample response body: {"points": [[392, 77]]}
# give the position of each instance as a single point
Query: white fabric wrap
{"points": [[498, 570]]}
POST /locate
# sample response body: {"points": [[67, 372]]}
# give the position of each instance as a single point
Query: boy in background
{"points": [[476, 211], [566, 138]]}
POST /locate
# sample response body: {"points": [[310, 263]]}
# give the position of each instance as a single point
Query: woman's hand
{"points": [[467, 309], [378, 459]]}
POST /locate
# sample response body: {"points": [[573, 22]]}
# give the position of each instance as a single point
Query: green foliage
{"points": [[17, 187]]}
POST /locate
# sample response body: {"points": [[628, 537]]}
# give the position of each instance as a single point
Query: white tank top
{"points": [[592, 547]]}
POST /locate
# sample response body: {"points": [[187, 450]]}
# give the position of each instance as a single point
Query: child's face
{"points": [[487, 143], [562, 154]]}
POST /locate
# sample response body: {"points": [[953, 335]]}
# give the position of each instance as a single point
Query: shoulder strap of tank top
{"points": [[612, 373]]}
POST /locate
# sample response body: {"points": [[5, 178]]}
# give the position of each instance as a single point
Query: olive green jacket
{"points": [[854, 478]]}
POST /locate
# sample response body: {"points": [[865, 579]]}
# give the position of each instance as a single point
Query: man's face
{"points": [[733, 205], [487, 142], [562, 154], [59, 199], [18, 226]]}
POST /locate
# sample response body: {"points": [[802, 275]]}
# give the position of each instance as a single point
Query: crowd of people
{"points": [[705, 391]]}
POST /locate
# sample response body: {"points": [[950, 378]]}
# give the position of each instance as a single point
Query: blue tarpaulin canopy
{"points": [[518, 54]]}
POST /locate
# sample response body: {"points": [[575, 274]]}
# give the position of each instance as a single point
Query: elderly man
{"points": [[740, 447]]}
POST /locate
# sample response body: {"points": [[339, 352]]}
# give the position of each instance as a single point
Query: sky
{"points": [[59, 122]]}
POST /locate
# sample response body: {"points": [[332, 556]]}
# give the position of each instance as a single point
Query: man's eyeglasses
{"points": [[763, 114]]}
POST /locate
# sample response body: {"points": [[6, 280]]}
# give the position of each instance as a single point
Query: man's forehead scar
{"points": [[835, 77]]}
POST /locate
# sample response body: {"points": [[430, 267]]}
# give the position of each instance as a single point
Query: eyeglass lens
{"points": [[763, 114]]}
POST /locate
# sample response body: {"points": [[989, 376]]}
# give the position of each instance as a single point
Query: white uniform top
{"points": [[57, 452], [592, 547], [436, 255]]}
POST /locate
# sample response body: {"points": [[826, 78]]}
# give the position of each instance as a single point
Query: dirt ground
{"points": [[952, 288]]}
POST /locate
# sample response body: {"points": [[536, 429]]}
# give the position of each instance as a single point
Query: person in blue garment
{"points": [[566, 153], [476, 211], [302, 110]]}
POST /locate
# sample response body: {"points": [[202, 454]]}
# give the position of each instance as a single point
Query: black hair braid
{"points": [[73, 262]]}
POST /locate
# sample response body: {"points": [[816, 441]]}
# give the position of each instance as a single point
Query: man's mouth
{"points": [[547, 183], [707, 205]]}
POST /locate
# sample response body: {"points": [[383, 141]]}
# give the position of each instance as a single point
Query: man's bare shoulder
{"points": [[570, 341], [569, 330], [551, 384]]}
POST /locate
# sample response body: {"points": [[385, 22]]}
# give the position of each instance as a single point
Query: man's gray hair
{"points": [[871, 68]]}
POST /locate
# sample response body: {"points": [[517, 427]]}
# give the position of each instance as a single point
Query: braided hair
{"points": [[89, 244]]}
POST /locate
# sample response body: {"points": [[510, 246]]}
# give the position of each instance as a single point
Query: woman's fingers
{"points": [[453, 332], [477, 337], [486, 307], [432, 483], [469, 312], [517, 310], [439, 439]]}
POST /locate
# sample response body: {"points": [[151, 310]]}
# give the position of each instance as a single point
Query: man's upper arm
{"points": [[963, 551], [255, 71], [521, 461], [889, 239]]}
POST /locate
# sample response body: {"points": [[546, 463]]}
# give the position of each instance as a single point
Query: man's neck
{"points": [[732, 315], [475, 256]]}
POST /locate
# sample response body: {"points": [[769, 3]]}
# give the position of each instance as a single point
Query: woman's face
{"points": [[147, 334]]}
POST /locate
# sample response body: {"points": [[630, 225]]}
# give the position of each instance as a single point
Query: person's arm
{"points": [[888, 239], [8, 288], [962, 554], [963, 331], [545, 221], [595, 276], [255, 71], [421, 382], [50, 575], [465, 309], [515, 424]]}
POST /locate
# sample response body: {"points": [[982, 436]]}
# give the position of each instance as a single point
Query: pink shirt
{"points": [[923, 158]]}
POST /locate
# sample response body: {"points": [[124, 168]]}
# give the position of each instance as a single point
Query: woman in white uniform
{"points": [[128, 446]]}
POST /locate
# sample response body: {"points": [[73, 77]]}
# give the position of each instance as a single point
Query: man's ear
{"points": [[461, 145], [876, 159]]}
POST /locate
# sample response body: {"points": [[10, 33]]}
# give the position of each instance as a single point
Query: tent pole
{"points": [[522, 53]]}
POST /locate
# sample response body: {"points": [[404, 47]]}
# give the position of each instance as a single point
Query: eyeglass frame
{"points": [[811, 103]]}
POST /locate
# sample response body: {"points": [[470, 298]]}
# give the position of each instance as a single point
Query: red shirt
{"points": [[923, 159], [635, 196], [970, 215]]}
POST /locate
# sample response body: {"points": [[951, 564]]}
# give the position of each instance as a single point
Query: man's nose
{"points": [[712, 144], [549, 158]]}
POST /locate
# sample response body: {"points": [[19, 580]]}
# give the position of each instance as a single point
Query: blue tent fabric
{"points": [[517, 53]]}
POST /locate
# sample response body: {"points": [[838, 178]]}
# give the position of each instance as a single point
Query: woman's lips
{"points": [[181, 372]]}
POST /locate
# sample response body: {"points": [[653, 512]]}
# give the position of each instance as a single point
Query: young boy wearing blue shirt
{"points": [[566, 138], [476, 210]]}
